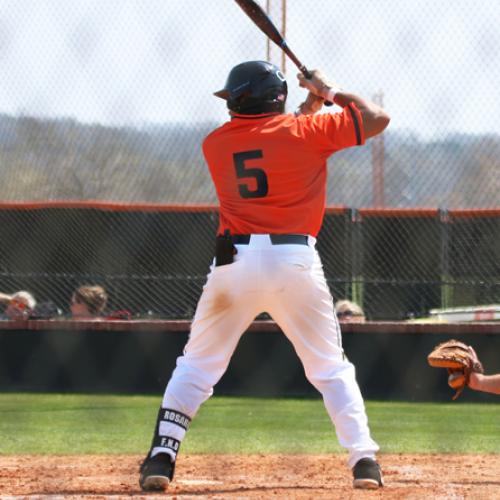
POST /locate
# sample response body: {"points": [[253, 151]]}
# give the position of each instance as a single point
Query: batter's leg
{"points": [[224, 312], [305, 312]]}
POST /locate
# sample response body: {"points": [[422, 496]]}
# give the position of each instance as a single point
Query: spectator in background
{"points": [[46, 310], [18, 306], [88, 302], [349, 311]]}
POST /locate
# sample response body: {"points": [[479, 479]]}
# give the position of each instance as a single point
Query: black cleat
{"points": [[156, 472], [367, 474]]}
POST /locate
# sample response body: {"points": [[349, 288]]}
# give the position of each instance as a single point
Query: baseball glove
{"points": [[459, 359]]}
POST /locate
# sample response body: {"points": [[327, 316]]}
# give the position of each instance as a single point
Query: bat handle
{"points": [[308, 75]]}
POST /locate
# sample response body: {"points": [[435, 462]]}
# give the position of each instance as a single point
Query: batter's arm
{"points": [[311, 105], [375, 118]]}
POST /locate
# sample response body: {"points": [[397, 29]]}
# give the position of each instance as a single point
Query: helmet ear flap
{"points": [[237, 105]]}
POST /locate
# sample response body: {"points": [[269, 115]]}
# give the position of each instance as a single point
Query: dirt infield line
{"points": [[251, 476]]}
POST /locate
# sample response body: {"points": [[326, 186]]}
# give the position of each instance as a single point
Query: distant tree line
{"points": [[43, 159]]}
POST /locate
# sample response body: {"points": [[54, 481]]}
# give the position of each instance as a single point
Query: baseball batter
{"points": [[269, 171]]}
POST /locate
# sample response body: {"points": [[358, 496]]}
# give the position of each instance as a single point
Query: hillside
{"points": [[63, 159]]}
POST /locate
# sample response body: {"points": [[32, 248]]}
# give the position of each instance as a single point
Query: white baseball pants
{"points": [[286, 281]]}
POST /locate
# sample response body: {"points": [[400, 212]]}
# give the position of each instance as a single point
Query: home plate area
{"points": [[251, 476]]}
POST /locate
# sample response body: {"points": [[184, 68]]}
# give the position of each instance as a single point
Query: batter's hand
{"points": [[318, 84], [311, 105]]}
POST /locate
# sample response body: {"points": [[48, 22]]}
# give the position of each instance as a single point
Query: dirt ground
{"points": [[256, 476]]}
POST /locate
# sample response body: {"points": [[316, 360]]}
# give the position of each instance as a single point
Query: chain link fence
{"points": [[111, 101]]}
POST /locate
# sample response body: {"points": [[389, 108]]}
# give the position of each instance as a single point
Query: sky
{"points": [[136, 62]]}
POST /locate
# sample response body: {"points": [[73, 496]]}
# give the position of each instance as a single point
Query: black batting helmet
{"points": [[255, 87]]}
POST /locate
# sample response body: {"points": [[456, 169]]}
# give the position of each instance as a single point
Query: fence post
{"points": [[357, 285], [444, 259]]}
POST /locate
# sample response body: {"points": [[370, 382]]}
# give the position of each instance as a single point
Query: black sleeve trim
{"points": [[356, 125]]}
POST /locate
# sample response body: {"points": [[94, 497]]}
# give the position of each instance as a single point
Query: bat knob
{"points": [[307, 74]]}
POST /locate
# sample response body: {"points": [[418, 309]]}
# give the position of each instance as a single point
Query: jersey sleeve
{"points": [[331, 132]]}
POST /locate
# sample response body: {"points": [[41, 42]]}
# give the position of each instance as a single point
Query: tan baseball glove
{"points": [[459, 359]]}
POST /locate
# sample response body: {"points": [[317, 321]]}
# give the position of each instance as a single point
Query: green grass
{"points": [[74, 424]]}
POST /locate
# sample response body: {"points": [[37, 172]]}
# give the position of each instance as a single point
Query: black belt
{"points": [[276, 239]]}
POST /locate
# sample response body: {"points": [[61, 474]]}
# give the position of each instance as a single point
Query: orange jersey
{"points": [[269, 170]]}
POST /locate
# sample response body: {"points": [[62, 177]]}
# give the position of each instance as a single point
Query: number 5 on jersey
{"points": [[244, 172]]}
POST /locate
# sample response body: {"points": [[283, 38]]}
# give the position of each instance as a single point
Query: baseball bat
{"points": [[257, 14]]}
